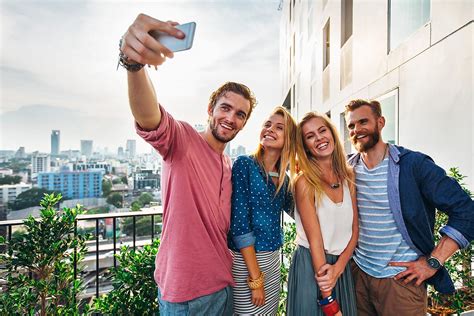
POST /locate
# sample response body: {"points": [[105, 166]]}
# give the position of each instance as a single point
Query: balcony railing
{"points": [[103, 241]]}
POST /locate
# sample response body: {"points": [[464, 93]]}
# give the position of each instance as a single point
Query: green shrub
{"points": [[135, 290], [458, 266], [287, 250], [39, 263]]}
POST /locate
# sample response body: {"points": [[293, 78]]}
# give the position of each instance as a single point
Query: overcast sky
{"points": [[58, 61]]}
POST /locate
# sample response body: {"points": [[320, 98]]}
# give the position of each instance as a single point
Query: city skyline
{"points": [[79, 92]]}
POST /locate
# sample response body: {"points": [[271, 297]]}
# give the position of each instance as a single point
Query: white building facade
{"points": [[40, 163], [415, 57], [9, 192]]}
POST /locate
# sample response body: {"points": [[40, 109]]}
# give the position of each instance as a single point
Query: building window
{"points": [[326, 45], [389, 104], [346, 21], [404, 18]]}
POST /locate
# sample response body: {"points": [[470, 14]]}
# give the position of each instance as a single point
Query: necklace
{"points": [[334, 185], [273, 174]]}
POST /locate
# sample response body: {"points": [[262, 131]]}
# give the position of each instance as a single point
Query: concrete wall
{"points": [[431, 72]]}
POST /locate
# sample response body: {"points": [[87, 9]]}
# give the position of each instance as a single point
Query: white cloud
{"points": [[67, 59]]}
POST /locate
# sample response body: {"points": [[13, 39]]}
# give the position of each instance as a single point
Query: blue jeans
{"points": [[218, 303]]}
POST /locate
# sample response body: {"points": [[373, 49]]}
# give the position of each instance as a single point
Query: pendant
{"points": [[273, 174], [335, 185]]}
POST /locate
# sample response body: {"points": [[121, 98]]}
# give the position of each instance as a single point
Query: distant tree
{"points": [[17, 165], [10, 180], [106, 188], [115, 199], [136, 206], [29, 198], [124, 179], [117, 181], [98, 210], [142, 226], [145, 198]]}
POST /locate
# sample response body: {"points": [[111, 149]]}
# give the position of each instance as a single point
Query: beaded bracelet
{"points": [[257, 283], [123, 61]]}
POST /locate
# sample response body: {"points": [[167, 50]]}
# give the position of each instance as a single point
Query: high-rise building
{"points": [[20, 153], [86, 147], [415, 58], [73, 184], [120, 152], [146, 179], [40, 163], [55, 138], [240, 150], [81, 166], [131, 148]]}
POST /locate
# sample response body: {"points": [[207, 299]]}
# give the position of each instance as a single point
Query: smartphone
{"points": [[175, 44]]}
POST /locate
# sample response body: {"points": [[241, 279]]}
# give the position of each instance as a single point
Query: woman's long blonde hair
{"points": [[308, 165], [288, 153]]}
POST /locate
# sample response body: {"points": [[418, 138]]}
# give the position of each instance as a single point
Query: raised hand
{"points": [[140, 47]]}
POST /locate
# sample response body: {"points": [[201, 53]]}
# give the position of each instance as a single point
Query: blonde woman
{"points": [[261, 190], [320, 280]]}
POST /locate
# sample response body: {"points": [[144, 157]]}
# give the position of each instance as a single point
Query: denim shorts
{"points": [[218, 303]]}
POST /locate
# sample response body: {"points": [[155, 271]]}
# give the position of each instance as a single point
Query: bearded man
{"points": [[398, 192]]}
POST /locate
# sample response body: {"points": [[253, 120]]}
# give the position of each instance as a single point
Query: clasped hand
{"points": [[327, 277]]}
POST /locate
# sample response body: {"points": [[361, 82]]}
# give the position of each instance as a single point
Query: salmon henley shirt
{"points": [[193, 259]]}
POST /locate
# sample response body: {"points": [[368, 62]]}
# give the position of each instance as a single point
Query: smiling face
{"points": [[273, 132], [364, 128], [318, 139], [228, 116]]}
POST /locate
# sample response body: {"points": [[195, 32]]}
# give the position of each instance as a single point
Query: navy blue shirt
{"points": [[255, 210], [416, 187]]}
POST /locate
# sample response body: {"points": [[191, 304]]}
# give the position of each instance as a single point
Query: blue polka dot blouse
{"points": [[256, 211]]}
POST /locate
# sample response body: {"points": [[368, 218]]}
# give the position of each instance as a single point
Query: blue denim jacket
{"points": [[416, 188]]}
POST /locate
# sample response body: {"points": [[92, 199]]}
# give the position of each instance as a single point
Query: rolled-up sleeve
{"points": [[240, 227], [455, 235], [449, 197]]}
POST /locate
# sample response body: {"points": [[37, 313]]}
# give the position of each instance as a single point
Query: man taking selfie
{"points": [[193, 266]]}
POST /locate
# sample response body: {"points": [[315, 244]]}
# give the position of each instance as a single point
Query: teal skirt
{"points": [[303, 290]]}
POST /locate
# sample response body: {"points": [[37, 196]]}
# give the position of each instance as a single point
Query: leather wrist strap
{"points": [[124, 62]]}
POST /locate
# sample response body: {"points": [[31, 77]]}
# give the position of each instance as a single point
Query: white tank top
{"points": [[335, 220]]}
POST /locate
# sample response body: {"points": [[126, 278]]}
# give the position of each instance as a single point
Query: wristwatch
{"points": [[434, 263]]}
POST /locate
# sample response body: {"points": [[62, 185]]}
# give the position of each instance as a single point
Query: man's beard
{"points": [[216, 135], [373, 139]]}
